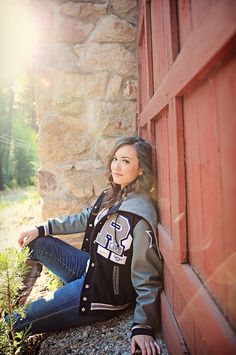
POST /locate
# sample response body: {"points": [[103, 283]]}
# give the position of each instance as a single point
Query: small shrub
{"points": [[53, 282], [12, 270]]}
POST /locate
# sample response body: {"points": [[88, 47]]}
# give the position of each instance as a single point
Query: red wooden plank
{"points": [[199, 10], [145, 58], [163, 177], [164, 38], [198, 240], [143, 92], [219, 336], [185, 20], [179, 307], [177, 180], [203, 325], [152, 139], [171, 333], [225, 86], [200, 347], [187, 325], [174, 29], [158, 44], [155, 34], [139, 96], [139, 6], [148, 51], [169, 32], [140, 64], [211, 247], [168, 286], [197, 57], [140, 19]]}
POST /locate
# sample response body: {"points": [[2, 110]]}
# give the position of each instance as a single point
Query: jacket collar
{"points": [[141, 205]]}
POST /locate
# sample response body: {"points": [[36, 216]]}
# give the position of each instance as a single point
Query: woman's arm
{"points": [[146, 269], [56, 226], [66, 225]]}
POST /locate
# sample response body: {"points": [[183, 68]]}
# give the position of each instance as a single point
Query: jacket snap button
{"points": [[83, 309], [92, 264], [84, 298], [87, 286], [90, 225]]}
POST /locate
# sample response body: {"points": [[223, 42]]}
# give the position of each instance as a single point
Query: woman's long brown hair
{"points": [[143, 183]]}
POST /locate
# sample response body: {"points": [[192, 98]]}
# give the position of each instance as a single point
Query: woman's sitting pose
{"points": [[119, 263]]}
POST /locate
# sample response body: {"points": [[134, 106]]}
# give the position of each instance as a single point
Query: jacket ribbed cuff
{"points": [[142, 331], [137, 329], [41, 231], [44, 229]]}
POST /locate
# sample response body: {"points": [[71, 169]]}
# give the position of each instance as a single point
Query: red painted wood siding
{"points": [[187, 105], [211, 185]]}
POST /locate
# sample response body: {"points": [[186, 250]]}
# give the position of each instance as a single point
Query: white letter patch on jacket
{"points": [[114, 237]]}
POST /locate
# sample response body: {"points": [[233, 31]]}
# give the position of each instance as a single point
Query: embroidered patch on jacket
{"points": [[114, 239]]}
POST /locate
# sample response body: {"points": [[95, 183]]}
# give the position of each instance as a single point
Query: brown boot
{"points": [[29, 280]]}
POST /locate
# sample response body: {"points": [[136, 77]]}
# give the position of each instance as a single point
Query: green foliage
{"points": [[18, 133], [24, 155], [53, 282], [12, 270]]}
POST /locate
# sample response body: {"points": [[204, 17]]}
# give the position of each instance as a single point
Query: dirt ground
{"points": [[24, 210]]}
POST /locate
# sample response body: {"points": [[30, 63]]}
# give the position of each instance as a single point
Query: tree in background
{"points": [[18, 143], [6, 108]]}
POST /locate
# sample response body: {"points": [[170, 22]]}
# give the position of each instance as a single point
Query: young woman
{"points": [[119, 263]]}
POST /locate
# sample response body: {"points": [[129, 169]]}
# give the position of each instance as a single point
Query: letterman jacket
{"points": [[125, 263]]}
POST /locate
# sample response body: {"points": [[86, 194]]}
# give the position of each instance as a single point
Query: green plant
{"points": [[18, 132], [12, 270], [53, 282]]}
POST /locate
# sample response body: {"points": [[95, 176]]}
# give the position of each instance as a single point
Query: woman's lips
{"points": [[116, 174]]}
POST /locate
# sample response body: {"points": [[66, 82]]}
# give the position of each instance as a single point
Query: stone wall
{"points": [[85, 96]]}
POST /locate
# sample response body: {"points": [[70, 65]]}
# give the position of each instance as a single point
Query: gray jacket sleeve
{"points": [[66, 225], [146, 275]]}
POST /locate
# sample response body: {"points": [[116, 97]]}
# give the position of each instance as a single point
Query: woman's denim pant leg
{"points": [[64, 260], [60, 310]]}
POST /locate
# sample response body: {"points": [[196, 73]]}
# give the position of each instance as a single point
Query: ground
{"points": [[22, 208]]}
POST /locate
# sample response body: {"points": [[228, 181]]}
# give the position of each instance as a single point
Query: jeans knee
{"points": [[38, 243]]}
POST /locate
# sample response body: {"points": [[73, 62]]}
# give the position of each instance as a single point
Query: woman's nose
{"points": [[117, 165]]}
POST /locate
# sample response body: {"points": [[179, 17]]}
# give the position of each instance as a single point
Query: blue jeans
{"points": [[61, 309]]}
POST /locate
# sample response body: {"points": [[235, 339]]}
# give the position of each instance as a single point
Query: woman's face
{"points": [[125, 166]]}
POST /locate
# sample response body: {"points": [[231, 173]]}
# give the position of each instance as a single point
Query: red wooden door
{"points": [[187, 108]]}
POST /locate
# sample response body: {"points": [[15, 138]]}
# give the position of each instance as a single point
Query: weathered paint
{"points": [[187, 91]]}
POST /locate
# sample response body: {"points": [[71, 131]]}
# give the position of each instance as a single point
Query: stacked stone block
{"points": [[85, 96]]}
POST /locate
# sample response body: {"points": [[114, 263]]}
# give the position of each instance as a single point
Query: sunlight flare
{"points": [[19, 36]]}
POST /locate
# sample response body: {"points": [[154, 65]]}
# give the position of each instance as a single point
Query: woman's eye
{"points": [[114, 159], [126, 161]]}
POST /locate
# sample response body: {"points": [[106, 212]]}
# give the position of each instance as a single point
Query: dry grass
{"points": [[19, 209]]}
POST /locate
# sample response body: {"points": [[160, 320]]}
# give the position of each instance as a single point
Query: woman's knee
{"points": [[39, 243]]}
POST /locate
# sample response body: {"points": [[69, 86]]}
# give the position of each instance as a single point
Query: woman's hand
{"points": [[146, 343], [27, 236]]}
